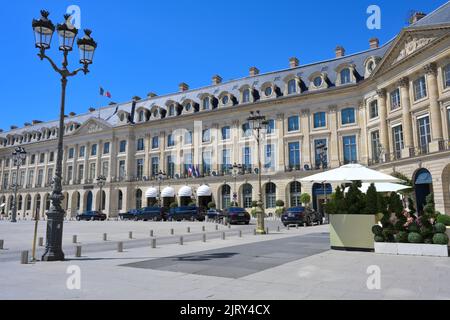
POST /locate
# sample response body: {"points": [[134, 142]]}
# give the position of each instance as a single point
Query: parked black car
{"points": [[186, 213], [214, 214], [130, 215], [91, 215], [301, 215], [235, 215], [150, 213]]}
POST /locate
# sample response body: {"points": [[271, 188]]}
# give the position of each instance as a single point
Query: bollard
{"points": [[171, 232], [1, 244], [288, 227], [105, 237], [229, 226], [240, 233], [278, 229], [203, 228], [267, 230], [204, 237], [153, 242], [151, 233], [41, 242], [217, 227], [188, 230], [24, 257], [254, 232], [130, 235], [74, 239], [223, 235], [181, 240], [78, 251], [120, 247]]}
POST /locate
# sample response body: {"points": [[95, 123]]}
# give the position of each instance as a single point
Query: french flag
{"points": [[104, 93]]}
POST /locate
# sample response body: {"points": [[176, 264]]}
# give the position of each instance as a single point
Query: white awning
{"points": [[204, 191], [168, 192], [151, 193], [185, 192]]}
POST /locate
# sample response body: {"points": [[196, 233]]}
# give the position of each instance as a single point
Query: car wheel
{"points": [[78, 218], [308, 222], [247, 222]]}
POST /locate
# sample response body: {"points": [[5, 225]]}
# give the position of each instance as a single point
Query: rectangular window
{"points": [[40, 178], [247, 158], [106, 148], [155, 142], [170, 167], [373, 109], [140, 144], [170, 140], [348, 116], [349, 144], [320, 153], [81, 171], [395, 99], [397, 137], [293, 123], [139, 168], [206, 135], [270, 126], [376, 147], [420, 88], [423, 125], [121, 169], [69, 173], [187, 162], [294, 155], [49, 176], [188, 137], [446, 73], [123, 146], [94, 150], [82, 151], [226, 135], [226, 160], [30, 178], [7, 163], [71, 153], [5, 181], [22, 178], [319, 120], [41, 158], [246, 130], [206, 162], [105, 169], [269, 162], [155, 166], [51, 157], [32, 161], [92, 171]]}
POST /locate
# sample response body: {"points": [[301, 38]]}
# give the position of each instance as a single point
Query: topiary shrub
{"points": [[388, 235], [305, 198], [440, 228], [401, 237], [413, 227], [428, 241], [378, 238], [279, 212], [440, 238], [212, 205], [443, 218], [415, 237], [377, 230], [254, 204], [426, 232], [279, 203], [173, 205]]}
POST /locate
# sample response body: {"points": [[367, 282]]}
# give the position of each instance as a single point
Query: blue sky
{"points": [[152, 46]]}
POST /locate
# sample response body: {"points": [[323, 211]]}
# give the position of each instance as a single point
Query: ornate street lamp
{"points": [[323, 164], [43, 32], [236, 169], [161, 177], [258, 124], [18, 156], [101, 182]]}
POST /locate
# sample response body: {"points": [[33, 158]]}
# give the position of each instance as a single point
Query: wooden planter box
{"points": [[352, 232], [412, 249]]}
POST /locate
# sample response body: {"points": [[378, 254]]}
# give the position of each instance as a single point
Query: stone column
{"points": [[435, 112], [281, 160], [363, 140], [86, 162], [333, 144], [112, 159], [162, 147], [147, 148], [215, 152], [306, 143], [131, 159], [98, 160], [384, 132], [405, 102], [235, 139]]}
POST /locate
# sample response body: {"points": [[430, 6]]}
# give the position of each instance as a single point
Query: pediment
{"points": [[93, 125], [409, 43]]}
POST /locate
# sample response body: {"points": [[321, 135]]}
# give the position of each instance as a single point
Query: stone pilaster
{"points": [[334, 141], [281, 161], [435, 113], [306, 143], [384, 132], [405, 102]]}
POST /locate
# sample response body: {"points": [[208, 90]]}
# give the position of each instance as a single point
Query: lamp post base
{"points": [[260, 220], [53, 251]]}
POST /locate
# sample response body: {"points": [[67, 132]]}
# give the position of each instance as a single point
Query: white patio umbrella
{"points": [[349, 173], [382, 187]]}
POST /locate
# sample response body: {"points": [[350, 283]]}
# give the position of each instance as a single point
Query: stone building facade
{"points": [[387, 107]]}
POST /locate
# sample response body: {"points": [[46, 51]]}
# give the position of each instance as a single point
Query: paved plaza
{"points": [[290, 264]]}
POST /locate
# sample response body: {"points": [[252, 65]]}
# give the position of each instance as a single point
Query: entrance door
{"points": [[423, 187], [89, 201]]}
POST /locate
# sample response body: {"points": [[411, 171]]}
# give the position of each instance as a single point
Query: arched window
{"points": [[345, 76], [138, 198], [119, 200], [247, 195], [28, 203], [47, 201], [226, 196], [141, 117], [292, 86], [205, 103], [19, 203], [271, 190], [246, 96], [295, 191]]}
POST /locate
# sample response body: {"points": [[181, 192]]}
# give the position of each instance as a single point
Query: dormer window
{"points": [[318, 82], [225, 100], [292, 86], [268, 91], [141, 116], [370, 65], [171, 110], [205, 103], [246, 96], [188, 107], [122, 117], [345, 76]]}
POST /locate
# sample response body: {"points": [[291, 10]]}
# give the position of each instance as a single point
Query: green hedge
{"points": [[443, 218]]}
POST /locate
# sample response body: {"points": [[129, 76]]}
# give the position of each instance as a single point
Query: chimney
{"points": [[151, 95], [340, 51], [136, 98], [254, 71], [374, 43], [91, 109], [72, 114], [13, 127], [293, 62], [183, 87], [36, 121], [27, 124], [216, 79], [417, 16], [1, 130]]}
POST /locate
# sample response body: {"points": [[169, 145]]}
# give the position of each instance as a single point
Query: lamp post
{"points": [[235, 171], [43, 32], [323, 164], [161, 177], [258, 123], [19, 155], [101, 182]]}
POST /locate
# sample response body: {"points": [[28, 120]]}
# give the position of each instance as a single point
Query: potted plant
{"points": [[305, 199], [352, 216], [280, 208]]}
